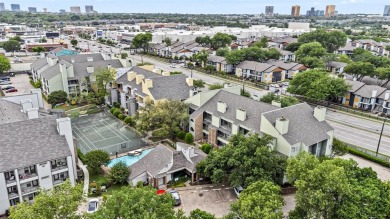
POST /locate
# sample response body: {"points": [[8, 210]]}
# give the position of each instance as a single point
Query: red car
{"points": [[11, 90]]}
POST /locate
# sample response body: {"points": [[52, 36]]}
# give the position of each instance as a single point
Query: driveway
{"points": [[213, 199], [22, 83]]}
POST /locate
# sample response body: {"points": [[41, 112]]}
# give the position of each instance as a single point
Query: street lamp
{"points": [[380, 136]]}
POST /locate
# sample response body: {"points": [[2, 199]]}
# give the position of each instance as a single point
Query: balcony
{"points": [[29, 189], [13, 194], [59, 181], [223, 135], [28, 175], [205, 126], [58, 165]]}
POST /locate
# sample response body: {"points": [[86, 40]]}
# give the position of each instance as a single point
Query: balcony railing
{"points": [[59, 181], [10, 180], [58, 167], [13, 194], [205, 127], [27, 175], [29, 189]]}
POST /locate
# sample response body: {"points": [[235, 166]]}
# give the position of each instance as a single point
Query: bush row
{"points": [[368, 157], [118, 112], [187, 137]]}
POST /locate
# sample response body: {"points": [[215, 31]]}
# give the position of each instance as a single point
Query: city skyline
{"points": [[214, 6]]}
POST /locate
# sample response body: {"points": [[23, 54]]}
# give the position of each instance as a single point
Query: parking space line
{"points": [[217, 189]]}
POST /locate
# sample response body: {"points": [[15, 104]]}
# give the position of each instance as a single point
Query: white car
{"points": [[5, 82], [93, 205], [238, 190], [173, 66]]}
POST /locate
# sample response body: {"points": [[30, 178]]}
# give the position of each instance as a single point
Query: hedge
{"points": [[368, 157], [120, 116], [80, 155]]}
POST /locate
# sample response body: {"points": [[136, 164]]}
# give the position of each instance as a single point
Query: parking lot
{"points": [[213, 199], [21, 82]]}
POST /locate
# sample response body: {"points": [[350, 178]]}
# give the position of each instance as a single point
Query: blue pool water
{"points": [[129, 160]]}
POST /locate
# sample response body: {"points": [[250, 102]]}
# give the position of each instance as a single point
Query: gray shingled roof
{"points": [[256, 66], [172, 87], [285, 40], [79, 58], [355, 85], [347, 47], [285, 65], [217, 59], [253, 109], [303, 126], [336, 64], [179, 160], [30, 142], [39, 63], [51, 72], [80, 69], [152, 163], [10, 112], [367, 91]]}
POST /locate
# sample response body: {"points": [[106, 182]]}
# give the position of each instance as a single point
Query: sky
{"points": [[204, 6]]}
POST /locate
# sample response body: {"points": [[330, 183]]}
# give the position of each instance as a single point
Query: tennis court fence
{"points": [[120, 147]]}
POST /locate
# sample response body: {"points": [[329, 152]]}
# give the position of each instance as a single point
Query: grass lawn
{"points": [[96, 177], [65, 107]]}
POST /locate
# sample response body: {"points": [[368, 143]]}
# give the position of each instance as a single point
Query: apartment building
{"points": [[296, 10], [37, 149], [336, 67], [261, 72], [330, 10], [290, 69], [219, 63], [69, 73], [141, 85], [219, 114]]}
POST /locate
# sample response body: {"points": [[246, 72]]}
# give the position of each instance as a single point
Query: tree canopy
{"points": [[360, 69], [142, 40], [284, 100], [38, 49], [119, 172], [263, 43], [317, 85], [103, 77], [336, 188], [5, 64], [220, 40], [251, 54], [11, 46], [57, 97], [313, 49], [331, 40], [243, 161], [95, 159], [74, 42]]}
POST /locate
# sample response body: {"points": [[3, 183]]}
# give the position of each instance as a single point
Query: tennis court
{"points": [[105, 132]]}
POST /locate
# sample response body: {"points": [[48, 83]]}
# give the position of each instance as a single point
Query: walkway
{"points": [[86, 178], [382, 172]]}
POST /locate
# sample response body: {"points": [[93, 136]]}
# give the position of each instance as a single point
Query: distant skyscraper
{"points": [[269, 10], [15, 7], [295, 10], [75, 9], [62, 11], [2, 7], [330, 9], [319, 13], [32, 9], [387, 10], [88, 9], [45, 10]]}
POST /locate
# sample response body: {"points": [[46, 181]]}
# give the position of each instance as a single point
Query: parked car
{"points": [[93, 205], [238, 190], [5, 82], [172, 66], [5, 79], [7, 87], [176, 197], [11, 90]]}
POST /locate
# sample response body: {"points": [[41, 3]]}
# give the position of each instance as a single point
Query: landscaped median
{"points": [[370, 155]]}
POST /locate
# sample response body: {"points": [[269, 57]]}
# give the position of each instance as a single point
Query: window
{"points": [[226, 124], [243, 131], [293, 149], [9, 175]]}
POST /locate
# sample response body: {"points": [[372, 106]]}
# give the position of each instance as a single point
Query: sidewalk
{"points": [[86, 178], [383, 172]]}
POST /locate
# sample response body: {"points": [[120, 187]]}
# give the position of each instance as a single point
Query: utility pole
{"points": [[380, 136]]}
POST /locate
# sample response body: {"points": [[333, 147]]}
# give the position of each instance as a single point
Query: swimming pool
{"points": [[129, 160]]}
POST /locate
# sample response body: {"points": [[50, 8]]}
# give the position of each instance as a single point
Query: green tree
{"points": [[348, 31], [142, 40], [262, 199], [189, 139], [167, 41], [245, 93], [119, 173], [11, 46], [273, 54], [129, 120], [166, 118], [360, 69], [103, 78], [203, 41], [124, 55], [38, 49], [263, 43], [202, 58], [235, 57], [269, 97], [215, 86], [220, 40], [383, 73], [199, 214], [339, 148], [199, 83], [43, 40], [243, 161], [332, 40], [222, 51], [137, 203], [74, 42], [97, 158], [314, 49], [57, 97], [59, 202], [16, 38], [255, 54], [312, 62], [292, 47], [206, 148], [5, 64], [387, 47], [287, 101], [344, 58]]}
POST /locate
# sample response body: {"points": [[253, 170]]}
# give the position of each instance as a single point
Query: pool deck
{"points": [[125, 153]]}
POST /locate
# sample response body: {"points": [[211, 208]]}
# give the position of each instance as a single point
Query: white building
{"points": [[35, 151]]}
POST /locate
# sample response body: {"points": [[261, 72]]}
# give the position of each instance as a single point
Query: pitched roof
{"points": [[51, 71], [347, 47], [80, 69], [217, 59], [172, 87], [367, 91], [152, 163], [256, 66], [336, 64], [285, 65], [30, 142], [10, 112], [79, 58], [285, 40], [356, 85], [253, 109], [303, 126], [180, 161], [39, 63]]}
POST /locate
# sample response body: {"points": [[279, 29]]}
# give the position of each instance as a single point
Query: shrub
{"points": [[121, 116], [80, 155], [128, 120], [116, 105], [181, 135], [116, 112], [119, 173], [369, 157], [122, 109], [206, 148], [113, 109], [189, 139], [104, 181], [95, 159]]}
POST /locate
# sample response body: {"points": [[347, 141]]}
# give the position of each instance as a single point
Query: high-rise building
{"points": [[45, 10], [2, 7], [319, 13], [387, 10], [295, 10], [88, 9], [269, 10], [75, 9], [330, 9], [32, 9], [62, 11], [15, 7]]}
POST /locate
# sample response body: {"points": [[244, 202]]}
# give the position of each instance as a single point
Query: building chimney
{"points": [[374, 93], [241, 114], [191, 152], [32, 113], [26, 104], [89, 59], [131, 75], [281, 125], [387, 95], [320, 113], [149, 83], [221, 107], [276, 103], [72, 60], [190, 81], [90, 69], [108, 66], [138, 79]]}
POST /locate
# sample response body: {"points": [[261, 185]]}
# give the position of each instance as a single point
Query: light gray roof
{"points": [[172, 87], [180, 161], [367, 91], [152, 163], [51, 72], [188, 45], [356, 85], [347, 47], [31, 142], [80, 69], [285, 65], [284, 52], [253, 109], [10, 112], [256, 66], [336, 64], [285, 40], [79, 58], [217, 59], [39, 63], [303, 126]]}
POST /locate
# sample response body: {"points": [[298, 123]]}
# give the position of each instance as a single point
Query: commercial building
{"points": [[15, 7], [386, 12], [88, 9], [295, 10], [32, 9], [330, 10], [62, 11], [2, 7], [311, 13], [269, 10], [320, 13], [75, 9], [37, 151]]}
